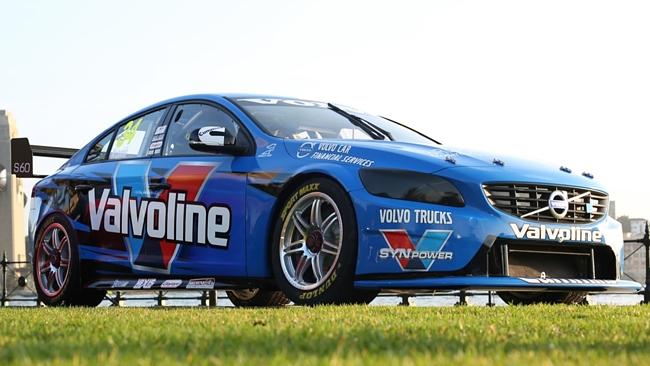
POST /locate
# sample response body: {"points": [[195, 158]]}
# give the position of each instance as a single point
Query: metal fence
{"points": [[18, 287], [18, 290], [643, 242]]}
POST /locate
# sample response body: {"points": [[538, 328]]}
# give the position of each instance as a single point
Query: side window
{"points": [[99, 151], [132, 137], [190, 117]]}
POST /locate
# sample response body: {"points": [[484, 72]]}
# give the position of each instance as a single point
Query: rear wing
{"points": [[22, 156]]}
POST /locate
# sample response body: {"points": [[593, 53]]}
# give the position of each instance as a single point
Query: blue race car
{"points": [[277, 199]]}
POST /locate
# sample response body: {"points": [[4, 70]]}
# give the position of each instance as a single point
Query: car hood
{"points": [[506, 168], [436, 158]]}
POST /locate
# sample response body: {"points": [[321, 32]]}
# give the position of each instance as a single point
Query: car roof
{"points": [[209, 96], [215, 97]]}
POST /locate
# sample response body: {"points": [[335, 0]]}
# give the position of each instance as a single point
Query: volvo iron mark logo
{"points": [[305, 149], [558, 204]]}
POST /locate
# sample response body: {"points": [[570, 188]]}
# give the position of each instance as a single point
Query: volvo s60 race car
{"points": [[278, 199]]}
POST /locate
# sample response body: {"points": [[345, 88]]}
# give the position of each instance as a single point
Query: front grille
{"points": [[522, 199]]}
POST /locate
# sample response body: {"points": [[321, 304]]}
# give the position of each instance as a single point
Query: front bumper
{"points": [[500, 284], [451, 241]]}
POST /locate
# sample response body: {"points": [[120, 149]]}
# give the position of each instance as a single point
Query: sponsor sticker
{"points": [[276, 101], [139, 214], [171, 283], [543, 232], [144, 283], [301, 192], [305, 149], [568, 281], [310, 294], [418, 216], [331, 152], [201, 283], [160, 130], [416, 256], [292, 102], [120, 284], [268, 152], [214, 136], [160, 219]]}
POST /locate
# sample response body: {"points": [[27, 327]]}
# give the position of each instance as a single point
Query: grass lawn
{"points": [[534, 335]]}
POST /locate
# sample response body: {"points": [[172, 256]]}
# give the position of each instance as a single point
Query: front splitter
{"points": [[501, 283]]}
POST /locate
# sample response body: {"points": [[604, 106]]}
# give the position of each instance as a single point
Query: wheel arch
{"points": [[286, 190], [46, 216], [69, 221]]}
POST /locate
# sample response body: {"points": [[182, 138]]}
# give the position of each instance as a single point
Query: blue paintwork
{"points": [[247, 255]]}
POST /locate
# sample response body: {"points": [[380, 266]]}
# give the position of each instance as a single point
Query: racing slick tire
{"points": [[56, 266], [256, 297], [314, 245], [530, 298]]}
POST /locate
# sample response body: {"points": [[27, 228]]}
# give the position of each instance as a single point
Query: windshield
{"points": [[300, 120]]}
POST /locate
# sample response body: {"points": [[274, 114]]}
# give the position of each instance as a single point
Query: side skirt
{"points": [[202, 283]]}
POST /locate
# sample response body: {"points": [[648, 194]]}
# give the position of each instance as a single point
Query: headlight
{"points": [[411, 186]]}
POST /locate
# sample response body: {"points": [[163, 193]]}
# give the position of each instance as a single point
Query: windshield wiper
{"points": [[419, 133], [373, 131]]}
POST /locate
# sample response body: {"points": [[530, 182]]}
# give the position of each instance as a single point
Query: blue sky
{"points": [[566, 82]]}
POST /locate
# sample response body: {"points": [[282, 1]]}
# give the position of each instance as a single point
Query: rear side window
{"points": [[132, 137], [99, 151]]}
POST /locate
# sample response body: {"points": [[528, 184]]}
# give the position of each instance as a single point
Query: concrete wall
{"points": [[12, 199]]}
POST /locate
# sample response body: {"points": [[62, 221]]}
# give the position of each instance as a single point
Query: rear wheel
{"points": [[314, 246], [256, 297], [529, 298], [56, 266]]}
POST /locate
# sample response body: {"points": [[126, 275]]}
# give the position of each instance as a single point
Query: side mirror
{"points": [[214, 139]]}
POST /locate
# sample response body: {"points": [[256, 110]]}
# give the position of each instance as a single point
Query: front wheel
{"points": [[530, 298], [314, 245]]}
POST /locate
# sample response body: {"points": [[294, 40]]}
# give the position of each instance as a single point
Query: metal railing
{"points": [[21, 279], [645, 242], [18, 288]]}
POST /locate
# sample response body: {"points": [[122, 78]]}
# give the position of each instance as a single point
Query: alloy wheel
{"points": [[53, 259], [311, 241]]}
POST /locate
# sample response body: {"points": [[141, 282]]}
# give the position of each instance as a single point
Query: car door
{"points": [[112, 179], [205, 195]]}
